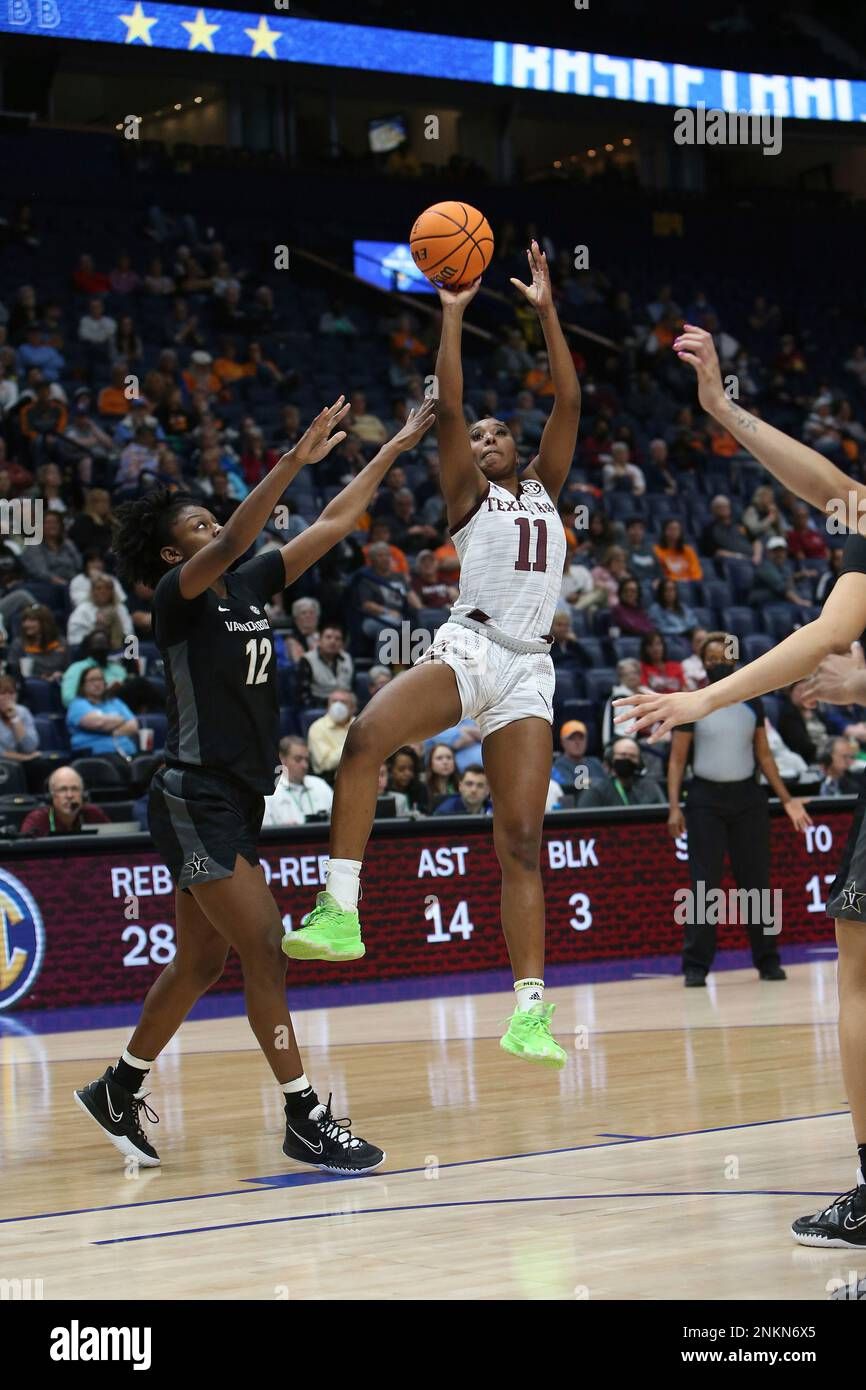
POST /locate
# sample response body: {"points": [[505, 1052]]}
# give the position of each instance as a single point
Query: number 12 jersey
{"points": [[222, 705]]}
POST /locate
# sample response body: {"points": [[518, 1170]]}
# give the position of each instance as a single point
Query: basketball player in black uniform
{"points": [[842, 620], [207, 801]]}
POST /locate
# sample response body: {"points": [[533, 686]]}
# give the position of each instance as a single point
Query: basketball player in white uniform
{"points": [[489, 662]]}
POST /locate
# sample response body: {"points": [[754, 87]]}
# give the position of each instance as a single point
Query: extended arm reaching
{"points": [[556, 451], [462, 479], [807, 473]]}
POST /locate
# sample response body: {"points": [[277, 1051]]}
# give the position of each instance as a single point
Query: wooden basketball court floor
{"points": [[666, 1161]]}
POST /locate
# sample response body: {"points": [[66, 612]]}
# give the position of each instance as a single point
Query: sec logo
{"points": [[22, 940], [531, 486]]}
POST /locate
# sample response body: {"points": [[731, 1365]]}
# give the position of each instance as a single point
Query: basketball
{"points": [[451, 243]]}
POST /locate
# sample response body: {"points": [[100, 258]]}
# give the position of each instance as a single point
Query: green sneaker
{"points": [[326, 933], [529, 1036]]}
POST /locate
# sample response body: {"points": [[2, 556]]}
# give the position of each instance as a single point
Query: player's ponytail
{"points": [[141, 529]]}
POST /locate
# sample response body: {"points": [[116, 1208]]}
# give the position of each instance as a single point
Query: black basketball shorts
{"points": [[200, 821], [847, 899]]}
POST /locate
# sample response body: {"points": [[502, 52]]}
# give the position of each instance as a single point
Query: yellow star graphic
{"points": [[263, 39], [200, 31], [138, 26]]}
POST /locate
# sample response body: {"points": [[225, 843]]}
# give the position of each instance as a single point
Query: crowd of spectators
{"points": [[173, 366]]}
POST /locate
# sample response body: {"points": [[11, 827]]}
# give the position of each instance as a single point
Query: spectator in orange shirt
{"points": [[380, 534], [448, 562], [678, 560], [405, 339], [722, 444], [113, 400], [227, 367], [538, 379], [200, 376], [43, 416]]}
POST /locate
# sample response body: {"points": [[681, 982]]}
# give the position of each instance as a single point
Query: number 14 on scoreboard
{"points": [[459, 925]]}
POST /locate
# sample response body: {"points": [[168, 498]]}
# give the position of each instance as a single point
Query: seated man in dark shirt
{"points": [[381, 595], [426, 583], [626, 783], [67, 813], [723, 536]]}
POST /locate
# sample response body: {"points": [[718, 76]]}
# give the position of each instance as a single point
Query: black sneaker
{"points": [[842, 1225], [116, 1111], [695, 978], [773, 972], [329, 1144]]}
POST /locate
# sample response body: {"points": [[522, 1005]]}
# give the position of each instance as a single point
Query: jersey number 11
{"points": [[523, 562]]}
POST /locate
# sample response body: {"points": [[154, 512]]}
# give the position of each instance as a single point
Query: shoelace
{"points": [[533, 1019], [839, 1201], [337, 1130], [137, 1104]]}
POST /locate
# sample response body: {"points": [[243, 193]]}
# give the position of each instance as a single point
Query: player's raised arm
{"points": [[247, 523], [342, 512], [556, 453], [806, 472], [462, 479], [835, 628]]}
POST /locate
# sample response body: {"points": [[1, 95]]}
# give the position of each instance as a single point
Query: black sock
{"points": [[300, 1103], [861, 1149], [130, 1078]]}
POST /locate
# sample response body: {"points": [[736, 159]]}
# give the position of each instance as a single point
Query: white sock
{"points": [[127, 1057], [300, 1083], [343, 882], [529, 993]]}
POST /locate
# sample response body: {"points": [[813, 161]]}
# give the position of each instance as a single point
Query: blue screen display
{"points": [[389, 266], [276, 37]]}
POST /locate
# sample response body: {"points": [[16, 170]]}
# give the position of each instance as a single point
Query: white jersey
{"points": [[512, 553]]}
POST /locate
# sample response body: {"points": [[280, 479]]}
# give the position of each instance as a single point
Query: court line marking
{"points": [[303, 1179], [413, 1042], [435, 1206]]}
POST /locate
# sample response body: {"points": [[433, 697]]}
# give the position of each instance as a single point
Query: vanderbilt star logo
{"points": [[851, 898], [196, 864]]}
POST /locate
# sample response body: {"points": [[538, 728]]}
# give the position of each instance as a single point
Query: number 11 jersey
{"points": [[512, 553], [222, 705]]}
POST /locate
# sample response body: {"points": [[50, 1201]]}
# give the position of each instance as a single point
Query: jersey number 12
{"points": [[252, 652], [540, 562]]}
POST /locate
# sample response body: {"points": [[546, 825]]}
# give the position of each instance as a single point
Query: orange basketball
{"points": [[451, 243]]}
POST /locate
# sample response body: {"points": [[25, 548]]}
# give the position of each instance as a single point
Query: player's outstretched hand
{"points": [[539, 293], [317, 441], [418, 422], [696, 346], [664, 710], [458, 299], [839, 679]]}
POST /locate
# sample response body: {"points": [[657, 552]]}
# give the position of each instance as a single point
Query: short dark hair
{"points": [[473, 767], [141, 529]]}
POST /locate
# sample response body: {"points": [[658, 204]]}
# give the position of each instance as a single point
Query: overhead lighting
{"points": [[177, 106], [626, 141], [591, 154], [119, 126], [199, 100], [608, 148], [557, 163]]}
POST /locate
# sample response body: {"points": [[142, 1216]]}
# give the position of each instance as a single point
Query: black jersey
{"points": [[220, 670], [854, 562]]}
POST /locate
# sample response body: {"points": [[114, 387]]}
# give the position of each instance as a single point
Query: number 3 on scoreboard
{"points": [[252, 652]]}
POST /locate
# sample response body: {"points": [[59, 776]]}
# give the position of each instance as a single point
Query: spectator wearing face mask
{"points": [[327, 735], [626, 782], [726, 811]]}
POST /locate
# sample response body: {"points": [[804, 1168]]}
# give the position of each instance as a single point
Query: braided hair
{"points": [[141, 529]]}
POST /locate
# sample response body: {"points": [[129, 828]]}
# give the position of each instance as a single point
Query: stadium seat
{"points": [[289, 725], [592, 649], [564, 685], [97, 773], [678, 648], [42, 697], [740, 575], [755, 644], [739, 620], [772, 705], [12, 778], [308, 717], [599, 682], [717, 593], [625, 647], [49, 731]]}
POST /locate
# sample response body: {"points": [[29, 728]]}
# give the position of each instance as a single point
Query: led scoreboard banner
{"points": [[95, 926], [276, 37]]}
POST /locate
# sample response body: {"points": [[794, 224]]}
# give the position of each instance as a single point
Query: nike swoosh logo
{"points": [[310, 1146], [116, 1118], [223, 610], [850, 1225]]}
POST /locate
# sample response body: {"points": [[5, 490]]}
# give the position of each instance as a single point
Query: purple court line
{"points": [[304, 1179], [388, 991], [436, 1206]]}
